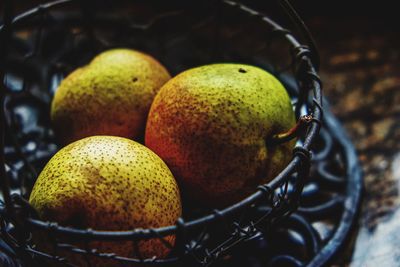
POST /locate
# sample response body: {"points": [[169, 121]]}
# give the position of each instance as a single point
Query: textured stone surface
{"points": [[361, 74]]}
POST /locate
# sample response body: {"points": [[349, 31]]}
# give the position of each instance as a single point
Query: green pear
{"points": [[211, 126], [110, 96], [107, 183]]}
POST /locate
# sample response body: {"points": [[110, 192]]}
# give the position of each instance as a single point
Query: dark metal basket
{"points": [[39, 47]]}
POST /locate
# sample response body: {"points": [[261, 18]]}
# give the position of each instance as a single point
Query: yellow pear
{"points": [[110, 96], [108, 183], [211, 126]]}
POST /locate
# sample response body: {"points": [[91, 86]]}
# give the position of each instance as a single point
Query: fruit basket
{"points": [[309, 207]]}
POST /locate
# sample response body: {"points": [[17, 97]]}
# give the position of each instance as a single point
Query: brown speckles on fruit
{"points": [[107, 183], [209, 124], [110, 96]]}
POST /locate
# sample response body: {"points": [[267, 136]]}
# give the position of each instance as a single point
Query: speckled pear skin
{"points": [[109, 183], [110, 96], [210, 125]]}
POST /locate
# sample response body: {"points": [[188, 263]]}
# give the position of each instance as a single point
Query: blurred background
{"points": [[359, 46]]}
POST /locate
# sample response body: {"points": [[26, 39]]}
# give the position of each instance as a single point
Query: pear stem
{"points": [[292, 133]]}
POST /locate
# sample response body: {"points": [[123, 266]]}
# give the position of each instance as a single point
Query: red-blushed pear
{"points": [[211, 124]]}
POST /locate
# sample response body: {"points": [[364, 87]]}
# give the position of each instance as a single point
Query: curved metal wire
{"points": [[4, 37]]}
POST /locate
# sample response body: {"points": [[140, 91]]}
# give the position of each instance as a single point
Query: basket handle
{"points": [[305, 32]]}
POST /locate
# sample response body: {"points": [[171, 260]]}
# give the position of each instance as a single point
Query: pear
{"points": [[108, 183], [110, 96], [211, 125]]}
